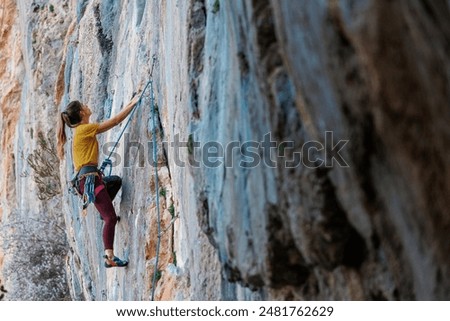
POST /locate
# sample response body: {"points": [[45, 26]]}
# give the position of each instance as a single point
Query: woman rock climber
{"points": [[85, 160]]}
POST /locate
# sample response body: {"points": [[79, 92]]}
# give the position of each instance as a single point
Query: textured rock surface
{"points": [[373, 73], [32, 231]]}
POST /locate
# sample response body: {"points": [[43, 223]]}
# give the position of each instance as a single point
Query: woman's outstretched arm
{"points": [[117, 119]]}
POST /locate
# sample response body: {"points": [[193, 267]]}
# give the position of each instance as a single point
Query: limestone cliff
{"points": [[301, 148]]}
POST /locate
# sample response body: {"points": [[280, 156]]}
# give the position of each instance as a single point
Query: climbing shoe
{"points": [[115, 262]]}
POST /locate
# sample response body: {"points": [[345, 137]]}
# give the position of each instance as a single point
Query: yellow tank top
{"points": [[85, 145]]}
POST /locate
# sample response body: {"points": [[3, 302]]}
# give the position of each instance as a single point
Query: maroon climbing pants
{"points": [[106, 209]]}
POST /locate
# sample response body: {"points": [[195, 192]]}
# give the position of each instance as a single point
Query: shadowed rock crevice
{"points": [[196, 33], [203, 218], [104, 14], [105, 40], [286, 264]]}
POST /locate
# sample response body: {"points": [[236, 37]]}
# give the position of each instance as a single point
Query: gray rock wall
{"points": [[32, 227]]}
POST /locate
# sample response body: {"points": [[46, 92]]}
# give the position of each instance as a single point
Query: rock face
{"points": [[33, 241], [301, 145]]}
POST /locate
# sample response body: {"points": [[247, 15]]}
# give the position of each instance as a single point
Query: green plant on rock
{"points": [[172, 210], [174, 258], [216, 7], [158, 275], [190, 144]]}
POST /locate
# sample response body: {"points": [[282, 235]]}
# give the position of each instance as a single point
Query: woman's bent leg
{"points": [[106, 209]]}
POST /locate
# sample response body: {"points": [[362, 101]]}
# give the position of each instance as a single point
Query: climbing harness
{"points": [[89, 172]]}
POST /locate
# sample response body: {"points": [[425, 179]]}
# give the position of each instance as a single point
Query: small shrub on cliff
{"points": [[35, 250]]}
